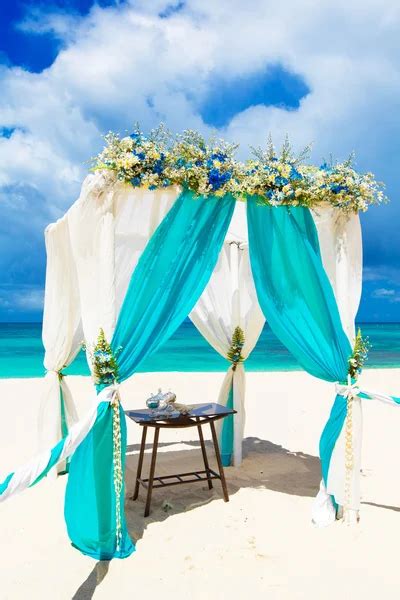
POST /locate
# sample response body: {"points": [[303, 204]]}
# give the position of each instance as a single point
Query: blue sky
{"points": [[326, 73]]}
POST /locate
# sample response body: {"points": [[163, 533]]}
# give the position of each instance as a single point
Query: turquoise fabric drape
{"points": [[170, 276], [227, 434], [298, 301], [167, 282], [90, 499]]}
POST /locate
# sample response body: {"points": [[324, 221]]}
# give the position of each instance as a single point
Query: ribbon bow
{"points": [[351, 390], [109, 394]]}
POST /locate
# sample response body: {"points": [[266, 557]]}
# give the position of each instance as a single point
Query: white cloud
{"points": [[125, 63], [382, 273], [118, 57], [383, 293], [23, 298], [41, 19], [386, 294]]}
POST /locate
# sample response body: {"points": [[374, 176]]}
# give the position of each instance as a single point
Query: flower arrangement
{"points": [[276, 178], [343, 187], [234, 354], [104, 362], [137, 159], [204, 168], [359, 355]]}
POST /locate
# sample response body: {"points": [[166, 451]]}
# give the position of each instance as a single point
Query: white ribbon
{"points": [[109, 393], [24, 476], [351, 390]]}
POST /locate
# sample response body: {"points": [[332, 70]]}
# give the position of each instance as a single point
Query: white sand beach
{"points": [[261, 544]]}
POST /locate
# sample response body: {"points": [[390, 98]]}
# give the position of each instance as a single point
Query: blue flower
{"points": [[135, 136], [158, 167], [295, 175], [198, 163], [281, 181], [325, 167], [152, 187], [180, 162], [136, 181], [102, 357], [140, 155], [217, 179], [336, 188], [221, 156]]}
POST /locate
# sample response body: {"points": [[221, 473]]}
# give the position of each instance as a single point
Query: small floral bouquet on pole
{"points": [[359, 355], [234, 354], [104, 361]]}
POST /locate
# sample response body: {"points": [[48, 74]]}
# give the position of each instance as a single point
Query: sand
{"points": [[260, 545]]}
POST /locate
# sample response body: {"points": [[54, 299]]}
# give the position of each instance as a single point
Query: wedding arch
{"points": [[162, 231]]}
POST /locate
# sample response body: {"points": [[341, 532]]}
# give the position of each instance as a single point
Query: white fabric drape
{"points": [[61, 333], [91, 254], [341, 249], [110, 226], [23, 477], [230, 300]]}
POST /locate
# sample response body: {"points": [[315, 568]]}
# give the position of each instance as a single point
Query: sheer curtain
{"points": [[230, 301], [110, 225], [62, 336], [340, 242]]}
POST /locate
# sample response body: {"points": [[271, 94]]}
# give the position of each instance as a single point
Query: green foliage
{"points": [[359, 355], [105, 366], [234, 354]]}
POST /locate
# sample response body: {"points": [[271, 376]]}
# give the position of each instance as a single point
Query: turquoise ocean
{"points": [[21, 351]]}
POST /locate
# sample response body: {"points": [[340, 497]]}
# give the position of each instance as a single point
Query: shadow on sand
{"points": [[88, 587], [265, 466]]}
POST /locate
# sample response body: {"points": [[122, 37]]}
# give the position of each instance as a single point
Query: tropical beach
{"points": [[261, 540], [199, 300]]}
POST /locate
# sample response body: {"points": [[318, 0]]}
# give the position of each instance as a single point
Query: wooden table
{"points": [[199, 415]]}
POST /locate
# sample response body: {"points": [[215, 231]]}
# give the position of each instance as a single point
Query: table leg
{"points": [[140, 463], [152, 469], [205, 459], [218, 457]]}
